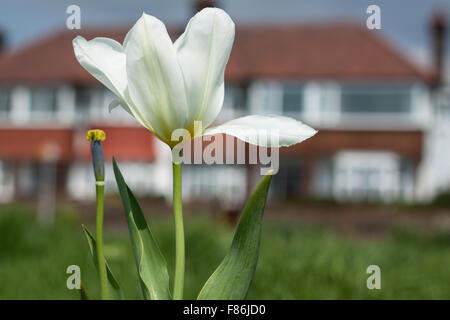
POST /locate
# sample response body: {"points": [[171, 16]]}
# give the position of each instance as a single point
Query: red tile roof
{"points": [[333, 51], [336, 51]]}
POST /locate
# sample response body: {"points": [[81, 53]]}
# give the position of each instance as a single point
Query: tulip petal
{"points": [[203, 51], [265, 131], [118, 102], [105, 60], [132, 111], [155, 80]]}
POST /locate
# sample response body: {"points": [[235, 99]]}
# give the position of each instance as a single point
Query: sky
{"points": [[404, 22]]}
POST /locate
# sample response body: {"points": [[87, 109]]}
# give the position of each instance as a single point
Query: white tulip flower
{"points": [[168, 86]]}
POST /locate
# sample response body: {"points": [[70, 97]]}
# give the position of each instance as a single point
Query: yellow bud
{"points": [[96, 135]]}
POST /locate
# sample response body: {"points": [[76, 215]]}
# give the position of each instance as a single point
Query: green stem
{"points": [[179, 234], [99, 242]]}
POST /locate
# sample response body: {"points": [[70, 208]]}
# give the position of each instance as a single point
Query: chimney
{"points": [[202, 4], [438, 32]]}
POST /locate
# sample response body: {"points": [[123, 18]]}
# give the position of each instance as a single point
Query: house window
{"points": [[6, 182], [293, 99], [367, 176], [234, 103], [234, 99], [82, 102], [43, 101], [5, 101], [237, 96], [287, 182], [365, 99], [226, 184]]}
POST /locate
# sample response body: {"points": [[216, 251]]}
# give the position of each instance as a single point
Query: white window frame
{"points": [[20, 105], [6, 183], [330, 103], [65, 104], [385, 164]]}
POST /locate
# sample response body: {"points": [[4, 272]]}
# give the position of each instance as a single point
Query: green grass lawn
{"points": [[296, 262]]}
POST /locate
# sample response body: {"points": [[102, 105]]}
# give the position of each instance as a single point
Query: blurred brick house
{"points": [[374, 109]]}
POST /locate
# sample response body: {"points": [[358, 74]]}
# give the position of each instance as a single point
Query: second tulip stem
{"points": [[99, 242]]}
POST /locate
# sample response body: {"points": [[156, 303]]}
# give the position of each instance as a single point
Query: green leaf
{"points": [[114, 291], [233, 276], [150, 263], [83, 292]]}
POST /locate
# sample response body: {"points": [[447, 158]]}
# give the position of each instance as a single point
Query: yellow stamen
{"points": [[96, 135]]}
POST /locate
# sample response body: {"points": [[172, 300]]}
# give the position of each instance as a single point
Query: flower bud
{"points": [[96, 137]]}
